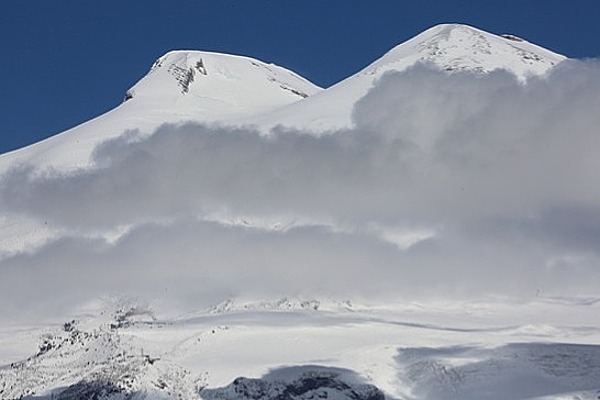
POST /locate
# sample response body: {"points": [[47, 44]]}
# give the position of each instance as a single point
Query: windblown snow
{"points": [[424, 229]]}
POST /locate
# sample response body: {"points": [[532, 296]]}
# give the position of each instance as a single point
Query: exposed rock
{"points": [[310, 384]]}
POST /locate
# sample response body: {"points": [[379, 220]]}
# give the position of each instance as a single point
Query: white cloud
{"points": [[448, 186]]}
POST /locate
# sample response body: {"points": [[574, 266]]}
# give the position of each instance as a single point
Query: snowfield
{"points": [[426, 229], [487, 350]]}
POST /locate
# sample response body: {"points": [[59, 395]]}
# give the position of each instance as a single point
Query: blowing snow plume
{"points": [[448, 185]]}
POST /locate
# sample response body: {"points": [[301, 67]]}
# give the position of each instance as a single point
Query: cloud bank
{"points": [[449, 185]]}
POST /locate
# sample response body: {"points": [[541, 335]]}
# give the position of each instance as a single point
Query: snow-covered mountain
{"points": [[204, 87], [449, 47], [295, 346], [208, 87], [181, 86], [211, 86]]}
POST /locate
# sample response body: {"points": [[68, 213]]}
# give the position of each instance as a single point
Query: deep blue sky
{"points": [[64, 62]]}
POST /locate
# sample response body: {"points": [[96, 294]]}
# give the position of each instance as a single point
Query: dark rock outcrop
{"points": [[309, 384]]}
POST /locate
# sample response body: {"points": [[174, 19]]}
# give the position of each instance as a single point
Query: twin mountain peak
{"points": [[450, 47], [206, 87]]}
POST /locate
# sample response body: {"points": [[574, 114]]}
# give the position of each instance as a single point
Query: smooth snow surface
{"points": [[498, 349]]}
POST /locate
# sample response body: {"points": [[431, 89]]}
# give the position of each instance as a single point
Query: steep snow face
{"points": [[181, 86], [449, 47]]}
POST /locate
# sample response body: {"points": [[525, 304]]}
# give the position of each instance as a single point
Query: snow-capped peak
{"points": [[215, 84], [449, 47], [181, 86], [457, 47]]}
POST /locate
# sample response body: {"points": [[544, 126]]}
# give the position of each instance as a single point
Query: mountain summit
{"points": [[456, 47], [211, 85], [449, 47]]}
